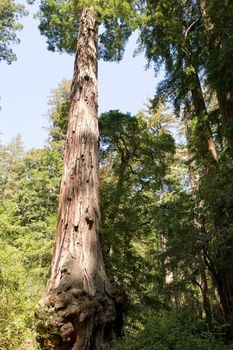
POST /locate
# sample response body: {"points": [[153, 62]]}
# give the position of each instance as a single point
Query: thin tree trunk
{"points": [[205, 292], [194, 182], [85, 308]]}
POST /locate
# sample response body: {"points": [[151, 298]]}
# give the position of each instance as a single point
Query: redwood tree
{"points": [[81, 309]]}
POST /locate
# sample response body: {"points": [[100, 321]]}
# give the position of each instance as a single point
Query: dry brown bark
{"points": [[85, 309]]}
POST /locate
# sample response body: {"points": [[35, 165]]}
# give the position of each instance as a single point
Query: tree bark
{"points": [[207, 147], [194, 182], [84, 307], [205, 292]]}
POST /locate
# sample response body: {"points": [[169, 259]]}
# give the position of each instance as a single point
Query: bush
{"points": [[19, 295], [172, 331]]}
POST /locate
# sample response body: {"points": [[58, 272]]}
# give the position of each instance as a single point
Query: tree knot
{"points": [[66, 331]]}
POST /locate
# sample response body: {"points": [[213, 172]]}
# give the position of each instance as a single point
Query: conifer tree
{"points": [[87, 309], [10, 12]]}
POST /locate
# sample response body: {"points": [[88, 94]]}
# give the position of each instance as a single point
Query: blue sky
{"points": [[25, 85]]}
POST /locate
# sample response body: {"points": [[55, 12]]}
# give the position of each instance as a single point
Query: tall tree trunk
{"points": [[223, 285], [205, 292], [84, 306], [222, 273], [208, 146], [224, 96], [223, 289], [194, 182]]}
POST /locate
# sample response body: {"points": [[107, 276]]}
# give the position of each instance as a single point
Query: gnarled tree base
{"points": [[74, 320]]}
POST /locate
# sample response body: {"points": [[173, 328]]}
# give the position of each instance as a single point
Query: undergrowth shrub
{"points": [[172, 331]]}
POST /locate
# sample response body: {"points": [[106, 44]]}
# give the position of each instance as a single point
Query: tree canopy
{"points": [[10, 13], [60, 24]]}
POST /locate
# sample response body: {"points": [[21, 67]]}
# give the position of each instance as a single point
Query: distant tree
{"points": [[134, 161], [192, 40], [10, 165], [59, 105]]}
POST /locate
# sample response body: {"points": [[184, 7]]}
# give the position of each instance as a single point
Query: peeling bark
{"points": [[85, 308]]}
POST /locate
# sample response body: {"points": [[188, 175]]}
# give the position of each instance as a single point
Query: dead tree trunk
{"points": [[84, 306]]}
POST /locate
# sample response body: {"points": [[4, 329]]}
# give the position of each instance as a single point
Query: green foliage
{"points": [[168, 43], [28, 206], [59, 22], [10, 166], [59, 104], [172, 331], [19, 294], [219, 204], [37, 189], [134, 161], [10, 12]]}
